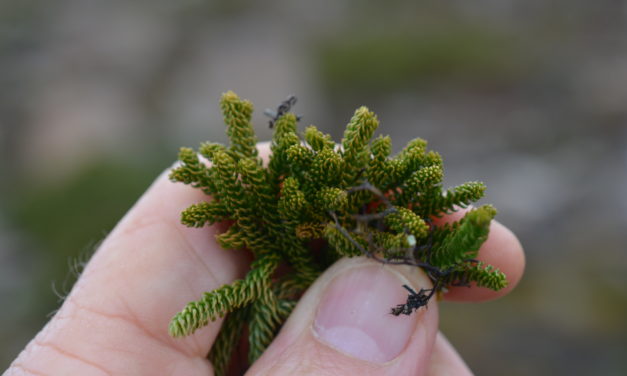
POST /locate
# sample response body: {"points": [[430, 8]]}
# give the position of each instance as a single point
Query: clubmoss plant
{"points": [[315, 202]]}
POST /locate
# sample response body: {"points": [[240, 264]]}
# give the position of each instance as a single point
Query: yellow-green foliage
{"points": [[313, 190]]}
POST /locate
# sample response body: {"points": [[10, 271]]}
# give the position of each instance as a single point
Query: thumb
{"points": [[343, 326]]}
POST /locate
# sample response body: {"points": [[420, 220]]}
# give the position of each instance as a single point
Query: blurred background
{"points": [[529, 96]]}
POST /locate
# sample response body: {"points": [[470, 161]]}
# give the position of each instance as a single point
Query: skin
{"points": [[114, 322]]}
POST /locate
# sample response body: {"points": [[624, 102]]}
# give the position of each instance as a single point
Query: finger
{"points": [[146, 270], [501, 250], [343, 326], [445, 360]]}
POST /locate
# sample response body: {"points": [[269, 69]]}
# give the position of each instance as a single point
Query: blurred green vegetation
{"points": [[63, 223], [406, 59]]}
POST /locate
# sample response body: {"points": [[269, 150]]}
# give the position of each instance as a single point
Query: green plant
{"points": [[354, 196]]}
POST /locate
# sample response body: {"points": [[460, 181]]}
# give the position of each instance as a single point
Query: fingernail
{"points": [[354, 315]]}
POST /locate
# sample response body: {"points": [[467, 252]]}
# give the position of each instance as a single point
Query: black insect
{"points": [[415, 300], [283, 108]]}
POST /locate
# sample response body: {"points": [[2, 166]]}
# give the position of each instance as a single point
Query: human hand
{"points": [[115, 319]]}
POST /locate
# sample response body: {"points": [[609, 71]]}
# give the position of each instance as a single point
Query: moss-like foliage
{"points": [[347, 200]]}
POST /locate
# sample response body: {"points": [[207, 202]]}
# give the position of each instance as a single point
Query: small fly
{"points": [[415, 300], [283, 108]]}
